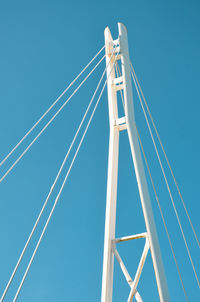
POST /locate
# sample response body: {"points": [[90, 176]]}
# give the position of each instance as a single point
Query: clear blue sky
{"points": [[44, 44]]}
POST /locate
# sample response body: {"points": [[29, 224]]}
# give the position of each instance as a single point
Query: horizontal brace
{"points": [[132, 237], [118, 87], [120, 123], [117, 80], [122, 127]]}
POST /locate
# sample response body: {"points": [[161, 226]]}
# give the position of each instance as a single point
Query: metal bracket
{"points": [[114, 44]]}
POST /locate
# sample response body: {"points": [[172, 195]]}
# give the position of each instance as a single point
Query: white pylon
{"points": [[120, 47]]}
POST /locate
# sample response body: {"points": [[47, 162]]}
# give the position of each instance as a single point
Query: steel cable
{"points": [[52, 187], [49, 122], [60, 191], [47, 111], [162, 216], [165, 178], [167, 160]]}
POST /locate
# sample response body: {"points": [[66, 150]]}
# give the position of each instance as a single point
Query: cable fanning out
{"points": [[52, 188], [50, 192], [162, 216], [167, 160], [47, 111], [165, 178], [49, 122], [62, 186]]}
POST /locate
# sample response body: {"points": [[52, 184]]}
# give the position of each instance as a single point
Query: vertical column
{"points": [[108, 261], [139, 169]]}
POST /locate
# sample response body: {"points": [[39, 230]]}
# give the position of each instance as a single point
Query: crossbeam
{"points": [[132, 237], [132, 283]]}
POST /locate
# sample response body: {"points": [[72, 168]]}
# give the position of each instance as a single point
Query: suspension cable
{"points": [[49, 122], [47, 111], [57, 198], [162, 216], [165, 178], [53, 186], [167, 160]]}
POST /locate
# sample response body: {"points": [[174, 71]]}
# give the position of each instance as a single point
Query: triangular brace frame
{"points": [[120, 47]]}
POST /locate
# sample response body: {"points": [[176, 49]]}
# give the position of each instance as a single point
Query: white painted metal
{"points": [[118, 80], [120, 121], [139, 169], [139, 271], [116, 125], [122, 265], [138, 298], [127, 238], [107, 282], [132, 284], [119, 87]]}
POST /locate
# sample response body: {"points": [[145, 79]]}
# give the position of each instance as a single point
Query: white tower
{"points": [[120, 47]]}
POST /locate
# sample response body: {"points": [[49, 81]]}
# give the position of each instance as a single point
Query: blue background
{"points": [[44, 45]]}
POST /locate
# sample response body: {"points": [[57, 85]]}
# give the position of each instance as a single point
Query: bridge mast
{"points": [[120, 47]]}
